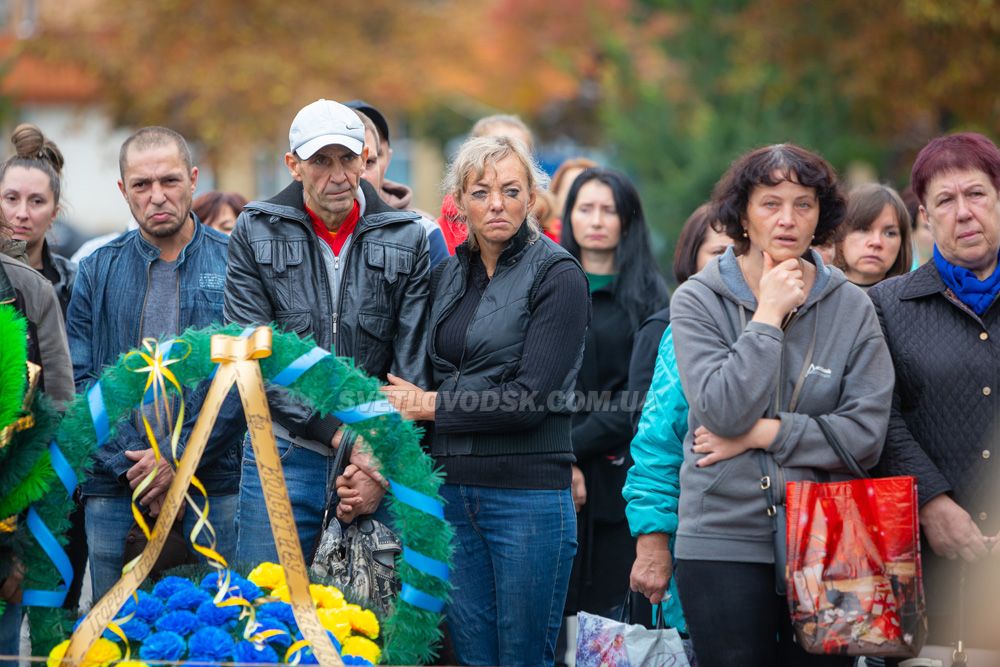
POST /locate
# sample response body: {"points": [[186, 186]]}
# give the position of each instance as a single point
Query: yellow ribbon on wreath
{"points": [[238, 363]]}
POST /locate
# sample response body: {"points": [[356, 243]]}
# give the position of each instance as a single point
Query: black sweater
{"points": [[561, 304]]}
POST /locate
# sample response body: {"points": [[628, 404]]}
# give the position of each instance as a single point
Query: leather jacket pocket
{"points": [[293, 321], [280, 264], [278, 254], [373, 348], [389, 260]]}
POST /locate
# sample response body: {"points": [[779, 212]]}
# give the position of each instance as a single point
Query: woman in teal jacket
{"points": [[653, 483]]}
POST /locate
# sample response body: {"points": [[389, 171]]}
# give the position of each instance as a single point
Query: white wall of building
{"points": [[91, 200]]}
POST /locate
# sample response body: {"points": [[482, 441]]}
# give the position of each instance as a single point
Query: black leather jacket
{"points": [[277, 274]]}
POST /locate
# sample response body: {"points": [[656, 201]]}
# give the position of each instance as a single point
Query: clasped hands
{"points": [[361, 486]]}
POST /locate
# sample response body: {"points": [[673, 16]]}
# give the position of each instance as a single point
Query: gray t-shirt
{"points": [[161, 310], [160, 316]]}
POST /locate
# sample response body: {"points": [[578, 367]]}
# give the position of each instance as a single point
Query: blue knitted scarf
{"points": [[974, 293]]}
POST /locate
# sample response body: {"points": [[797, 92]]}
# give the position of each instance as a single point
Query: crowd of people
{"points": [[595, 433]]}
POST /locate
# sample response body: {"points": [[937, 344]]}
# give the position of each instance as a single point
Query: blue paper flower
{"points": [[149, 607], [282, 641], [181, 622], [238, 586], [280, 611], [245, 589], [210, 645], [210, 582], [168, 586], [307, 657], [350, 660], [164, 646], [127, 608], [210, 614], [135, 629], [188, 598], [251, 653]]}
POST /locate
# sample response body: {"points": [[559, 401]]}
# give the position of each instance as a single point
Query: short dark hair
{"points": [[690, 241], [207, 205], [759, 167], [376, 117], [864, 205], [151, 136], [955, 152]]}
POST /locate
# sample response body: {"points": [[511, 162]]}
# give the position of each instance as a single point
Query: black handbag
{"points": [[358, 558]]}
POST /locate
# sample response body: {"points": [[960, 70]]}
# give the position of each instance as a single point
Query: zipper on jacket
{"points": [[468, 330], [145, 298], [432, 329], [342, 287]]}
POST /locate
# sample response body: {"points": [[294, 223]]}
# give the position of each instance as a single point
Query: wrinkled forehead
{"points": [[507, 169], [958, 178], [153, 160]]}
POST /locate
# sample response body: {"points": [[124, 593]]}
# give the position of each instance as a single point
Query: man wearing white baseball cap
{"points": [[325, 258]]}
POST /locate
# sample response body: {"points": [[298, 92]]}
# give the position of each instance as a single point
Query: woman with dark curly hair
{"points": [[769, 343]]}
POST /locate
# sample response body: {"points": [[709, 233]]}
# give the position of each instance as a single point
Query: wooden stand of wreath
{"points": [[328, 385]]}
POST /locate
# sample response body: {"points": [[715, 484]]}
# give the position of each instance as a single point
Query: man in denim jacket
{"points": [[152, 282], [326, 258]]}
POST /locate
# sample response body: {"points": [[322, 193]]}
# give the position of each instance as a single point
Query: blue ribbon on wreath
{"points": [[50, 545]]}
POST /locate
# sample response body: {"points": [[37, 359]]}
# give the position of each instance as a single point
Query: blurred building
{"points": [[61, 100]]}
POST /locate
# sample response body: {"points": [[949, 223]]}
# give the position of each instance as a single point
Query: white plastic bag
{"points": [[602, 642]]}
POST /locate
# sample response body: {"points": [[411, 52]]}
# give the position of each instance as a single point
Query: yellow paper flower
{"points": [[268, 575], [102, 653], [363, 648], [131, 663], [281, 592], [337, 621], [365, 622], [326, 597]]}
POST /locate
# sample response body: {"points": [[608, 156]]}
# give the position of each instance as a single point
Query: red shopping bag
{"points": [[854, 573]]}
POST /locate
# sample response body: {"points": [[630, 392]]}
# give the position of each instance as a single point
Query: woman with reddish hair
{"points": [[942, 323], [219, 210]]}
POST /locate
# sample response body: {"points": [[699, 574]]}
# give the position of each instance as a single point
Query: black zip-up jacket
{"points": [[61, 272], [277, 274]]}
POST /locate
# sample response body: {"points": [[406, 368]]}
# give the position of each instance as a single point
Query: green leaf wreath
{"points": [[331, 385], [27, 479]]}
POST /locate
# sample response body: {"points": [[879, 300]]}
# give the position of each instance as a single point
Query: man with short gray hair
{"points": [[326, 258]]}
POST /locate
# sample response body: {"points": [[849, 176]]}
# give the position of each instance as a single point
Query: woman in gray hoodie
{"points": [[769, 342]]}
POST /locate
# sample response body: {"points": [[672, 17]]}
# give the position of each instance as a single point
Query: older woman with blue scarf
{"points": [[942, 324]]}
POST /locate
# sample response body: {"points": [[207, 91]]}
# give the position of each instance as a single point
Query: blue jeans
{"points": [[10, 633], [309, 478], [514, 550], [108, 519]]}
